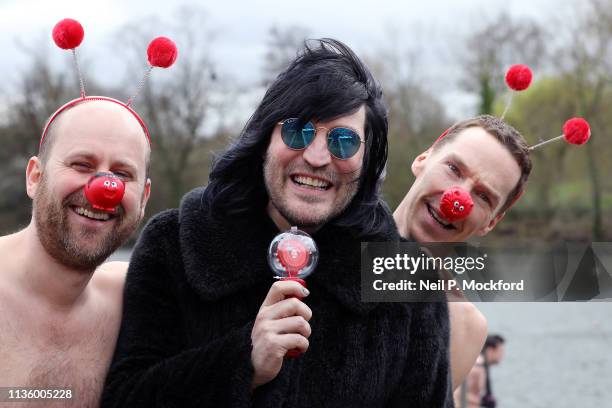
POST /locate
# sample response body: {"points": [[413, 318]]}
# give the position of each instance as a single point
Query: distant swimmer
{"points": [[477, 390]]}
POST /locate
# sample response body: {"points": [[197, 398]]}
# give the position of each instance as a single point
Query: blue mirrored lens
{"points": [[343, 143], [294, 137]]}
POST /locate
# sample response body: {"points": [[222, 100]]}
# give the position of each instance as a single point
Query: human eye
{"points": [[484, 197], [122, 174], [452, 167], [81, 166]]}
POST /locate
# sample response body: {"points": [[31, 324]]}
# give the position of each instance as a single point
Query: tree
{"points": [[489, 51], [282, 46], [585, 58], [179, 102], [416, 115], [40, 91], [539, 114]]}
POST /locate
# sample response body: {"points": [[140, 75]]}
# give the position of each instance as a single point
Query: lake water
{"points": [[557, 354], [122, 254]]}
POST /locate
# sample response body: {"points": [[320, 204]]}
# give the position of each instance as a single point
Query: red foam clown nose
{"points": [[456, 204], [104, 191]]}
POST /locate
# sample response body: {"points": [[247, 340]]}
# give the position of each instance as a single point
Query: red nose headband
{"points": [[456, 204], [68, 35], [104, 191], [576, 131], [77, 101]]}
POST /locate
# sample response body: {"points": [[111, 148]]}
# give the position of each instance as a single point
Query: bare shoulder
{"points": [[466, 317], [9, 243], [4, 241], [109, 278], [12, 253], [468, 333]]}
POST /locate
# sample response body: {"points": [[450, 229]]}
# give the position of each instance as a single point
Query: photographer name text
{"points": [[447, 285]]}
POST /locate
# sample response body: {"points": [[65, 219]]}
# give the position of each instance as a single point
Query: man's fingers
{"points": [[293, 341], [286, 308], [293, 324], [283, 289]]}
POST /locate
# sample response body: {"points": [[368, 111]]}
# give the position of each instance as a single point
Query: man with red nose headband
{"points": [[464, 185], [60, 308], [465, 182]]}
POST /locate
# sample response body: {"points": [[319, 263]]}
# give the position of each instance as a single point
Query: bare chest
{"points": [[43, 354]]}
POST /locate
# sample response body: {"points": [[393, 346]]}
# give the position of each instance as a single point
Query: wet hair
{"points": [[492, 341], [507, 136], [325, 81]]}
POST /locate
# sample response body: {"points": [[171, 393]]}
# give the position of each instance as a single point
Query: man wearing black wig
{"points": [[202, 324]]}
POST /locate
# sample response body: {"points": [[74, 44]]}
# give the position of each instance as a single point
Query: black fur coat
{"points": [[193, 289]]}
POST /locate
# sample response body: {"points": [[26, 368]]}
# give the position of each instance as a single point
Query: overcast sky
{"points": [[242, 27]]}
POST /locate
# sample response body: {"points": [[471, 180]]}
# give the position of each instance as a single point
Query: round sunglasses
{"points": [[343, 143]]}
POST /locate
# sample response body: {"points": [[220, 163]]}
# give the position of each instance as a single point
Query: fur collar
{"points": [[239, 249]]}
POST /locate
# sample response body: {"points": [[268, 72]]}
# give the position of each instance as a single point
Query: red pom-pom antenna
{"points": [[162, 52], [68, 34], [575, 131], [518, 78]]}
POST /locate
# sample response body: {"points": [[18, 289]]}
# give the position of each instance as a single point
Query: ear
{"points": [[145, 197], [34, 173], [487, 228], [419, 163]]}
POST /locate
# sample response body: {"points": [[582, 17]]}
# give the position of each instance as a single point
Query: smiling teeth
{"points": [[91, 214], [311, 182]]}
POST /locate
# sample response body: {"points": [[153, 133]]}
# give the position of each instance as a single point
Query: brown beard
{"points": [[61, 240]]}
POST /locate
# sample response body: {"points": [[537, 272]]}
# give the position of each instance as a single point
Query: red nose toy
{"points": [[456, 204], [104, 191], [293, 255]]}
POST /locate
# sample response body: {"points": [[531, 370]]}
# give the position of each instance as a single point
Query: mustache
{"points": [[324, 173]]}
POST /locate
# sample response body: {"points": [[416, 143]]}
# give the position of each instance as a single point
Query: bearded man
{"points": [[60, 308]]}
